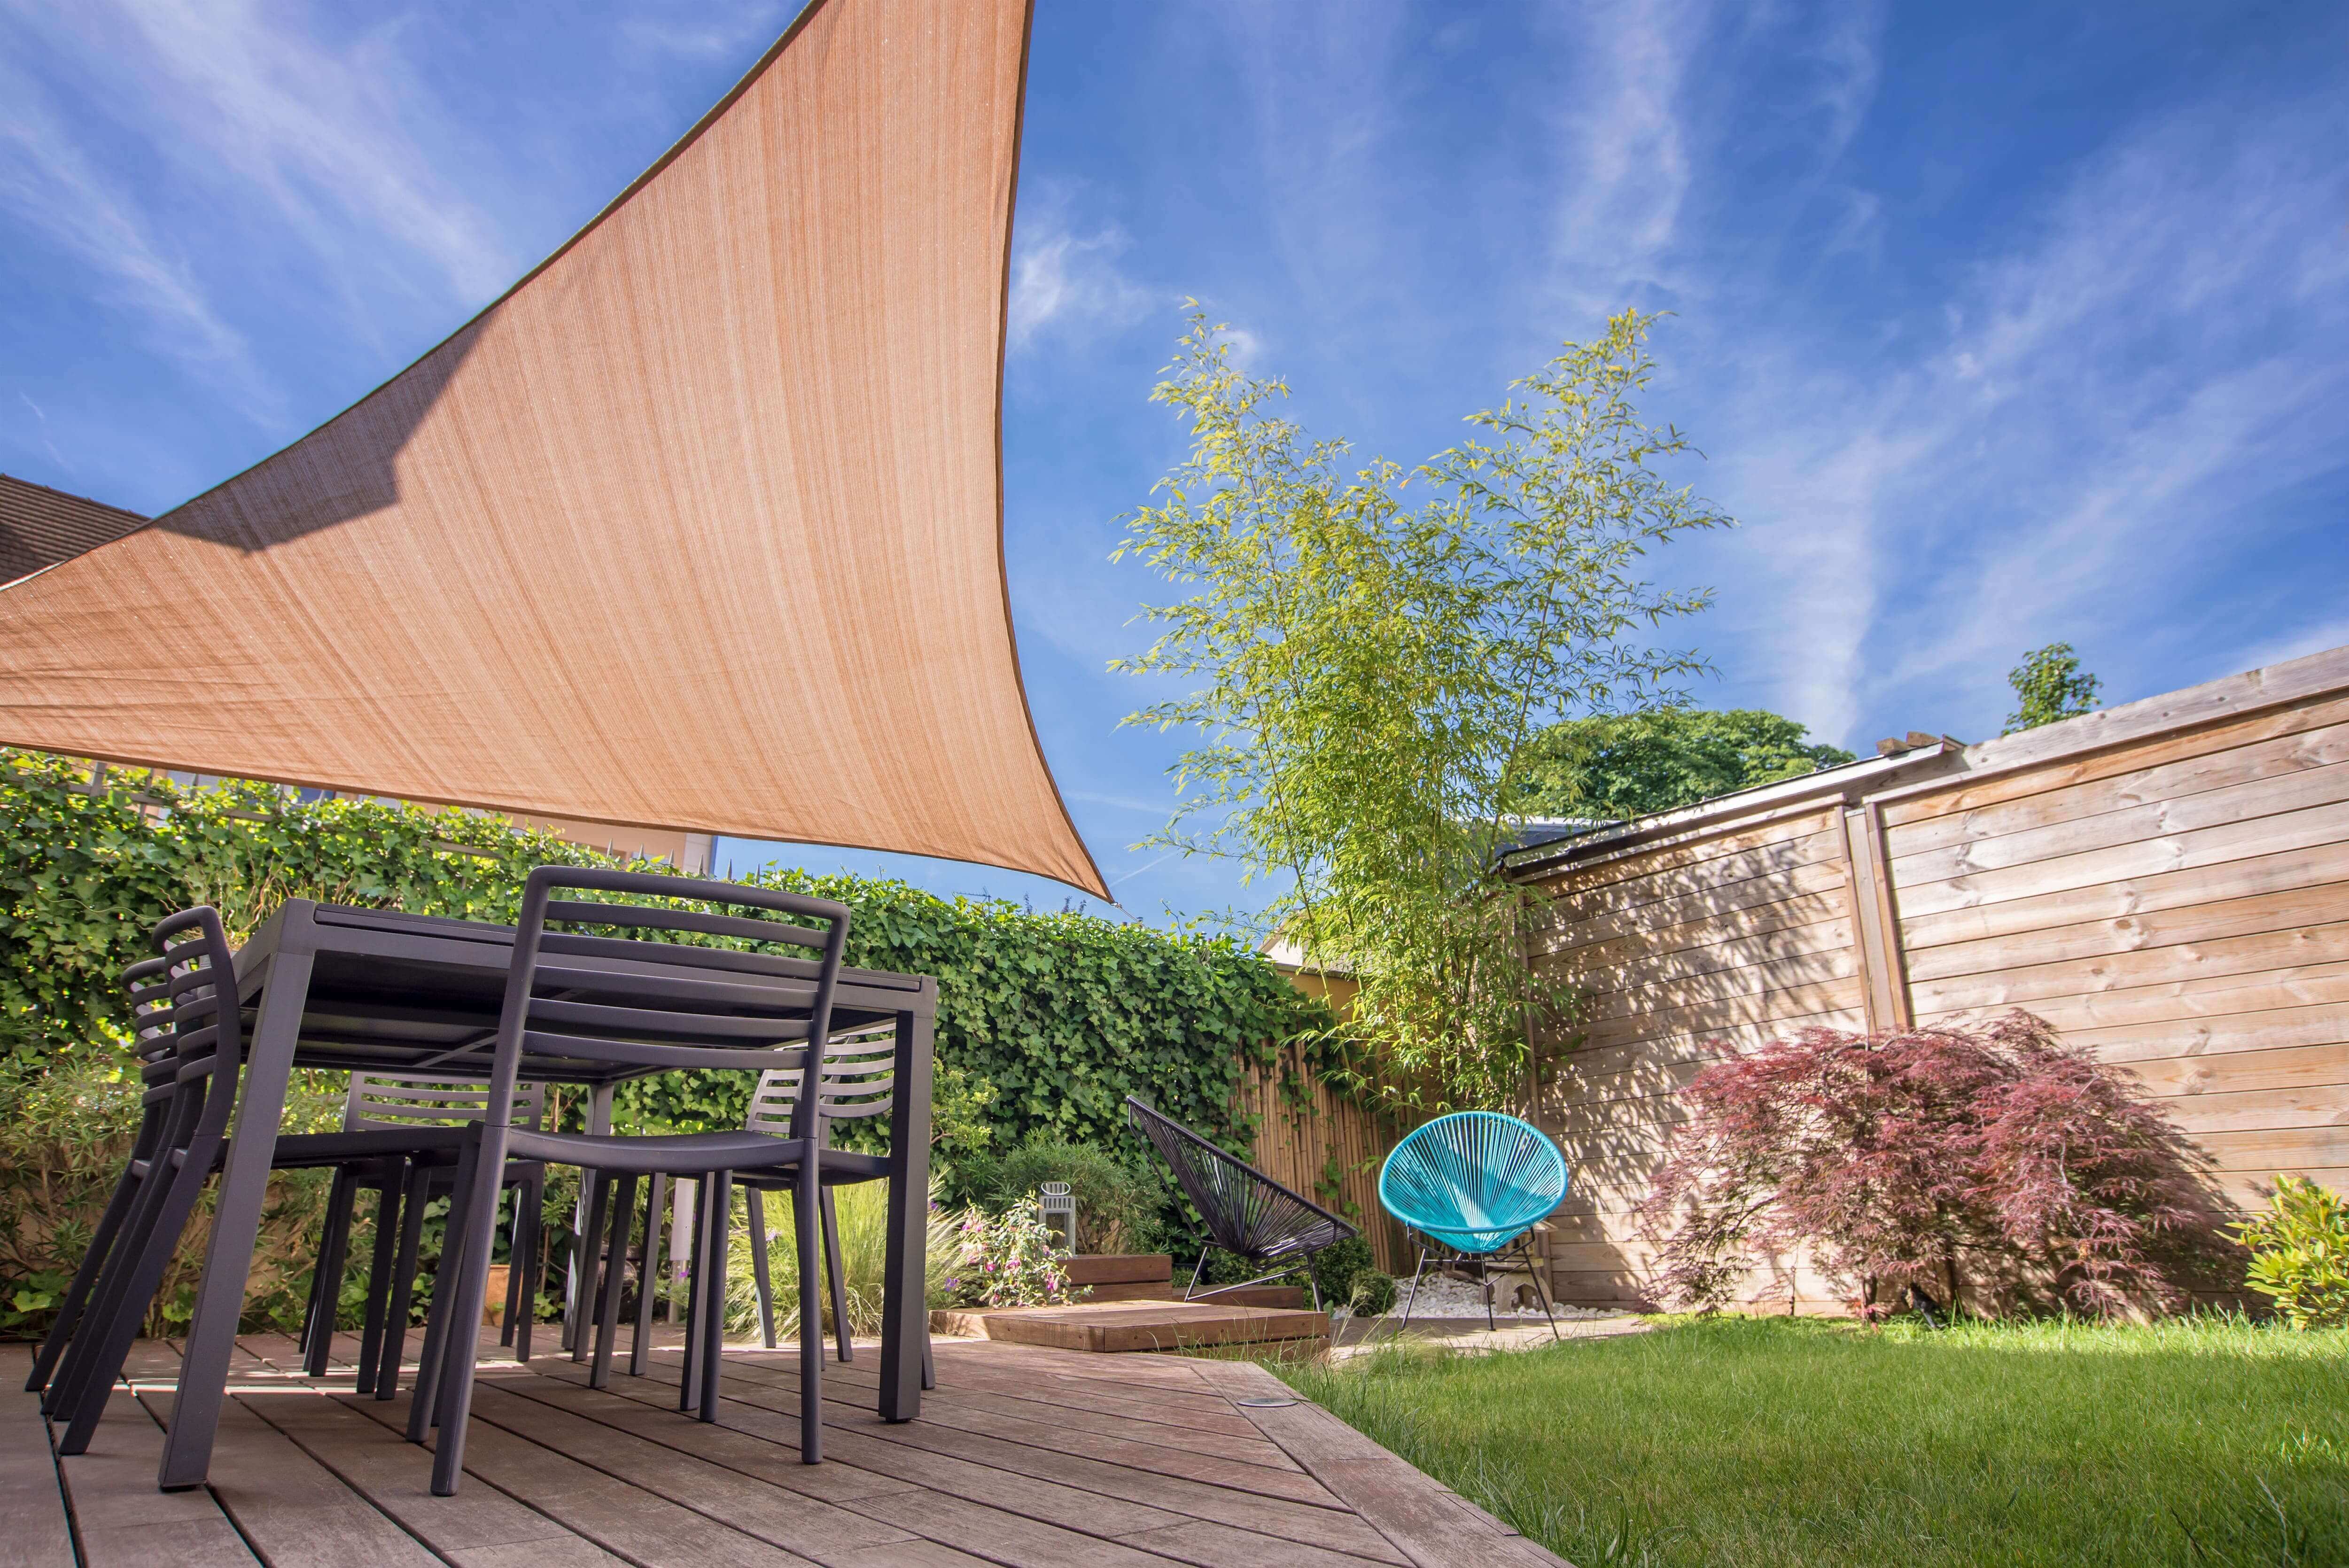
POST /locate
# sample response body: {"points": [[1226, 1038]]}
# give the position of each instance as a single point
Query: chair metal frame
{"points": [[1411, 1181], [1246, 1213], [663, 1011]]}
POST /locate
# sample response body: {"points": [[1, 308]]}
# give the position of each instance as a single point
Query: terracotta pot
{"points": [[493, 1300]]}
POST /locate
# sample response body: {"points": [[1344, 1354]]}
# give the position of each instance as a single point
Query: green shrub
{"points": [[2300, 1252], [1117, 1207], [1373, 1295], [1335, 1267]]}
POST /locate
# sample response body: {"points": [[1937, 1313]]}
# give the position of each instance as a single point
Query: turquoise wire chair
{"points": [[1474, 1184]]}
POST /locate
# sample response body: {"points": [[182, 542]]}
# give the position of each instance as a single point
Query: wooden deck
{"points": [[1111, 1327], [1024, 1456]]}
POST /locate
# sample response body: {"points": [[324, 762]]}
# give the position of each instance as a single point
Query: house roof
{"points": [[39, 527], [700, 526]]}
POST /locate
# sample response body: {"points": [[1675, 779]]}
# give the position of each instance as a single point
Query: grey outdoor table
{"points": [[323, 985]]}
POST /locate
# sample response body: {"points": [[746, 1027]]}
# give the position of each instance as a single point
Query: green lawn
{"points": [[1759, 1441]]}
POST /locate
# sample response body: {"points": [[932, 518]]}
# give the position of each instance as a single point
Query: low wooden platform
{"points": [[1150, 1276], [1024, 1457], [1133, 1326]]}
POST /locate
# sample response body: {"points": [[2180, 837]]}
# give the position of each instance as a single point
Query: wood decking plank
{"points": [[119, 1515], [1432, 1525], [625, 1520], [781, 1392], [480, 1527], [743, 1499], [944, 1458], [292, 1509], [1007, 1390], [1221, 1546], [32, 1496]]}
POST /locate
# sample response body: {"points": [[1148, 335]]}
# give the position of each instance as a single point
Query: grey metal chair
{"points": [[677, 1005], [393, 1102], [1246, 1213]]}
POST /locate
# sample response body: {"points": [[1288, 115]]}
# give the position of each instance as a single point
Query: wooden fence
{"points": [[1320, 1143], [2167, 882]]}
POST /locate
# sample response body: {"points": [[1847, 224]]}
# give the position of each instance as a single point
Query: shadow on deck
{"points": [[1024, 1456]]}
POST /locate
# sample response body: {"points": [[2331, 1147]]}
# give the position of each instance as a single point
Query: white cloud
{"points": [[51, 189], [2320, 638], [1069, 283]]}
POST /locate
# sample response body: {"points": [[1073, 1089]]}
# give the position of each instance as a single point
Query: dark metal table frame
{"points": [[380, 990]]}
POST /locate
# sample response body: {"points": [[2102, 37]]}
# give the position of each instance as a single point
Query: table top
{"points": [[395, 992]]}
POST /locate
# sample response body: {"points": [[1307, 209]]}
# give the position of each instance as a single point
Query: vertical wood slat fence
{"points": [[1316, 1141], [2167, 882]]}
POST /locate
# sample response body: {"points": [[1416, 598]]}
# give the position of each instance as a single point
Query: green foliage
{"points": [[1117, 1207], [2049, 684], [1773, 1442], [1366, 665], [2300, 1252], [1046, 1022], [862, 1210], [1613, 767], [1008, 1260], [1346, 1274]]}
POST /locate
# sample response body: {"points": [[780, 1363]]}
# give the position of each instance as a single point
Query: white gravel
{"points": [[1440, 1296]]}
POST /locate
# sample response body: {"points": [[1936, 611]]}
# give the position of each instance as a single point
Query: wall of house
{"points": [[2167, 882]]}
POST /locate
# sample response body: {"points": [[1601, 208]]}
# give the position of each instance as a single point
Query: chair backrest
{"points": [[207, 1025], [398, 1100], [654, 998], [1475, 1181], [859, 1070], [1246, 1211]]}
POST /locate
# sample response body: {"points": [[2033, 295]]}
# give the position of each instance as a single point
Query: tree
{"points": [[2049, 684], [1617, 766], [1366, 659], [1991, 1164]]}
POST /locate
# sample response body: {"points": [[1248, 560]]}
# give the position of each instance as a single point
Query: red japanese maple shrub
{"points": [[1993, 1164]]}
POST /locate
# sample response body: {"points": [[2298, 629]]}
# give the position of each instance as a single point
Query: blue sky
{"points": [[1997, 324]]}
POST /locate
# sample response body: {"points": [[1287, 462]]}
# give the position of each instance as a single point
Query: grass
{"points": [[1766, 1442]]}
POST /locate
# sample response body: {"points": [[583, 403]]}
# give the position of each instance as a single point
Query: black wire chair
{"points": [[1246, 1213]]}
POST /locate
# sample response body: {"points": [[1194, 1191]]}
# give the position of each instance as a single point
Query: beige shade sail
{"points": [[700, 526]]}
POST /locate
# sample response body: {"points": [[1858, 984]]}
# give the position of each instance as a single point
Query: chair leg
{"points": [[696, 1289], [443, 1346], [760, 1270], [114, 1327], [529, 1268], [381, 1271], [807, 1203], [1197, 1270], [616, 1273], [326, 1276], [87, 1276], [1484, 1278], [478, 1189], [1412, 1299], [649, 1283], [834, 1277], [589, 1250], [713, 1258], [403, 1281], [1541, 1292]]}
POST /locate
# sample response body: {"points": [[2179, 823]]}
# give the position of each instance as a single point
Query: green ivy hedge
{"points": [[1058, 1015]]}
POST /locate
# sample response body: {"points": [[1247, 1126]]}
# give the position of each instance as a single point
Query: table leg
{"points": [[236, 1222], [906, 1326]]}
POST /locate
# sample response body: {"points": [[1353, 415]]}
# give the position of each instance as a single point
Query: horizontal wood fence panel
{"points": [[2188, 925], [1960, 795], [2215, 995], [2236, 955], [1650, 971], [2142, 788], [1769, 833], [1770, 977], [2191, 1039], [1702, 922], [2235, 804], [1761, 1007], [1688, 875], [2265, 1109], [2323, 865], [2305, 829]]}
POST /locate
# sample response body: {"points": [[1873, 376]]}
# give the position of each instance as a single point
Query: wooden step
{"points": [[1132, 1326], [1131, 1290], [1120, 1268]]}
